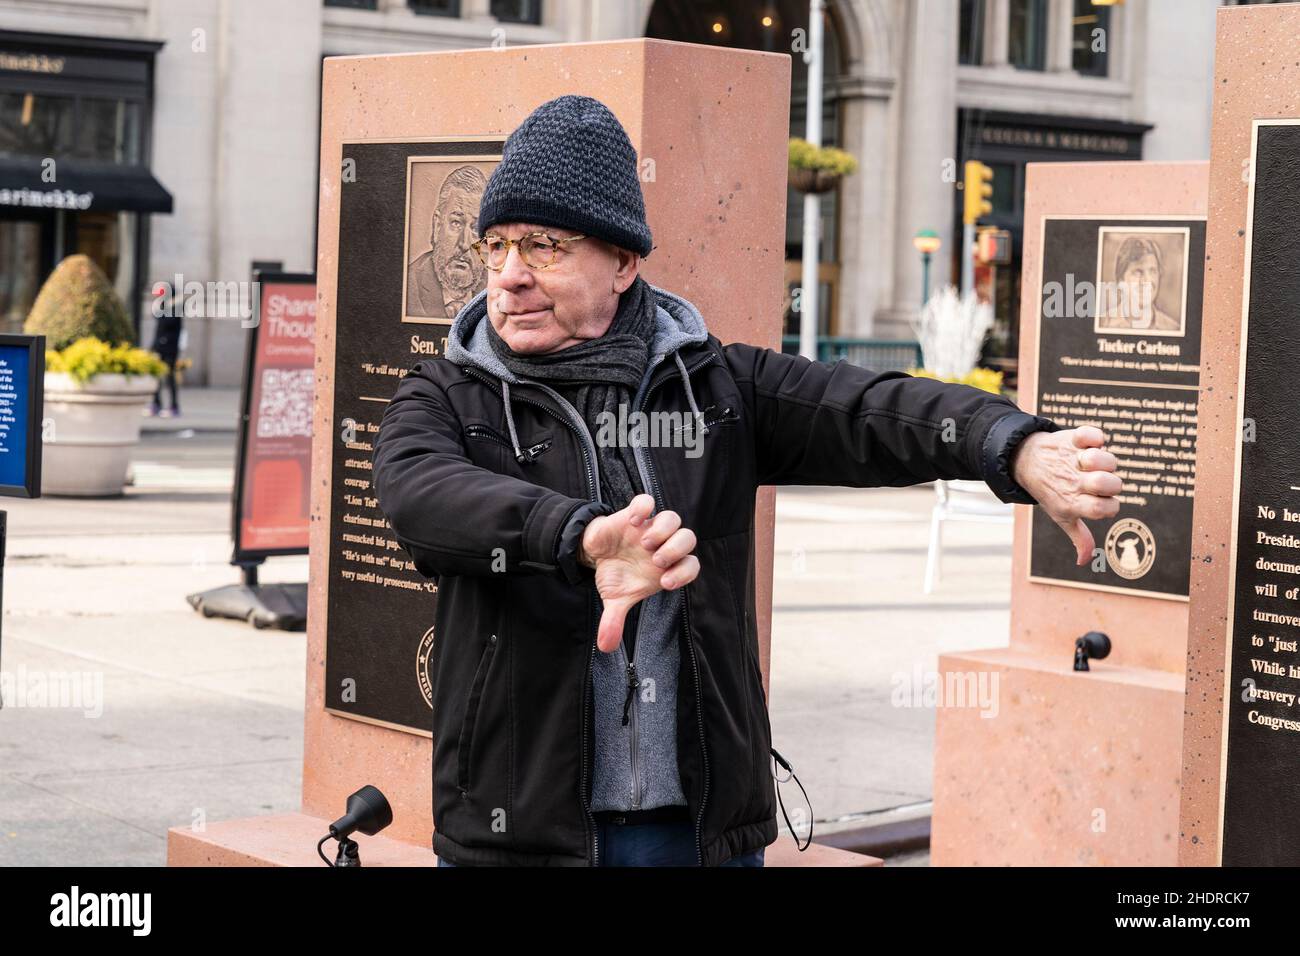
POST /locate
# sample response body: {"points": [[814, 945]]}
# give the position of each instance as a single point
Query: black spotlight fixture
{"points": [[368, 812], [1093, 645]]}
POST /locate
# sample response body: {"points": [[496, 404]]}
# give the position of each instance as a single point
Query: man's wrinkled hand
{"points": [[1072, 477], [634, 556]]}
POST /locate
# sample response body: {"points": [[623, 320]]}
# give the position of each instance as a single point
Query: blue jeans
{"points": [[652, 844]]}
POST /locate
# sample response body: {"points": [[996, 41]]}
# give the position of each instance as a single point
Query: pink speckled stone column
{"points": [[1256, 76], [715, 122], [1075, 769]]}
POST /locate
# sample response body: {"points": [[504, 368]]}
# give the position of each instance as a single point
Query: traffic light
{"points": [[993, 246], [978, 192]]}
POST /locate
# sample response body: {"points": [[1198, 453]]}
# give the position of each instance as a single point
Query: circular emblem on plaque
{"points": [[1130, 548], [423, 656]]}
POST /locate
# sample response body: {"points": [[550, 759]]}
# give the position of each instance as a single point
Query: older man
{"points": [[597, 698]]}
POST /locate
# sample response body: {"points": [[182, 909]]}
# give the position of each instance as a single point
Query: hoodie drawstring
{"points": [[510, 421], [690, 395], [686, 383]]}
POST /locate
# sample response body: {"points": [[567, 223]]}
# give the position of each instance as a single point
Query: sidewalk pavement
{"points": [[203, 718], [852, 630], [202, 409]]}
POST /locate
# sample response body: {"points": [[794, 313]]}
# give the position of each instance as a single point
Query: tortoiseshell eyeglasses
{"points": [[539, 250]]}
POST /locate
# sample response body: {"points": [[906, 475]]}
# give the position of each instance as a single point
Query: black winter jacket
{"points": [[488, 489]]}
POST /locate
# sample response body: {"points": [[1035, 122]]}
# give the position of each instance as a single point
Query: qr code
{"points": [[285, 407]]}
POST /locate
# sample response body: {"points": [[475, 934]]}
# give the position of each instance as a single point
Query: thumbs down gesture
{"points": [[634, 556]]}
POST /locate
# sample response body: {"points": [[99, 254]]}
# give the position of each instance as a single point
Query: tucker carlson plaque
{"points": [[1119, 348]]}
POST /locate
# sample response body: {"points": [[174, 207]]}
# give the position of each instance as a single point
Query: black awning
{"points": [[80, 187]]}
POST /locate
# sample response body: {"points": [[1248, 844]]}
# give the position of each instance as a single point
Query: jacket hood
{"points": [[679, 324]]}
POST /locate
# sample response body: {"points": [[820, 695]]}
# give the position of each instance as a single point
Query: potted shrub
{"points": [[818, 169], [96, 382]]}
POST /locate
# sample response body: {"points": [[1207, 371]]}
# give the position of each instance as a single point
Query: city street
{"points": [[183, 718]]}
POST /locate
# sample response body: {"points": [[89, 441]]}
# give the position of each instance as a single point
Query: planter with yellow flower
{"points": [[94, 393], [818, 169], [94, 390]]}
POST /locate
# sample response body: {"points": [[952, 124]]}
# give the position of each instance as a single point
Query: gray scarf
{"points": [[597, 376]]}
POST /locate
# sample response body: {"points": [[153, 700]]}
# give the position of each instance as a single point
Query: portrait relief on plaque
{"points": [[1142, 281], [441, 271]]}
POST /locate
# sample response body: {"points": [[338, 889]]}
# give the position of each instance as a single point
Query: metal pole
{"points": [[808, 307], [967, 258], [925, 278]]}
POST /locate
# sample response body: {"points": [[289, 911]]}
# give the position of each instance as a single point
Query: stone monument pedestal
{"points": [[1073, 768], [289, 839], [1024, 788], [1239, 797]]}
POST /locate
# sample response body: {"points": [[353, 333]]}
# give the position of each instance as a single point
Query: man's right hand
{"points": [[635, 556]]}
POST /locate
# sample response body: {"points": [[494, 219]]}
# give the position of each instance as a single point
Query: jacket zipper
{"points": [[593, 482], [686, 623], [586, 804], [593, 479], [633, 683], [482, 431]]}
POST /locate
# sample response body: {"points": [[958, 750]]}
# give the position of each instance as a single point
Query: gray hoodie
{"points": [[636, 765]]}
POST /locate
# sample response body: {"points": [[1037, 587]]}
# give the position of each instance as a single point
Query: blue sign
{"points": [[14, 404]]}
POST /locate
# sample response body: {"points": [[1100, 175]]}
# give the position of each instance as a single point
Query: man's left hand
{"points": [[1072, 477]]}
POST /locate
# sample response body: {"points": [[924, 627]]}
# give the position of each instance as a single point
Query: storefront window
{"points": [[102, 130], [1027, 39], [970, 44], [1091, 46], [92, 117], [1004, 188], [36, 124], [517, 11], [21, 270], [435, 8], [108, 238], [108, 131]]}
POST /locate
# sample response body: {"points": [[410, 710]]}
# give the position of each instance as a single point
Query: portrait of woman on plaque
{"points": [[1142, 281]]}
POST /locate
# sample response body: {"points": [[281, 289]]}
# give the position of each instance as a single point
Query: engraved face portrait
{"points": [[1142, 281], [442, 271]]}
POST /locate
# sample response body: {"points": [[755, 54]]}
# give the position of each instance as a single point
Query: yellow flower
{"points": [[88, 356], [985, 379]]}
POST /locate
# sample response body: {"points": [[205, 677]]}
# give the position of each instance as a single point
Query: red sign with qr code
{"points": [[274, 497]]}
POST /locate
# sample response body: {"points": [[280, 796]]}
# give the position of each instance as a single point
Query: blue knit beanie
{"points": [[570, 164]]}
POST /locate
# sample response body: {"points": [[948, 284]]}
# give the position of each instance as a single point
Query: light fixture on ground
{"points": [[369, 812]]}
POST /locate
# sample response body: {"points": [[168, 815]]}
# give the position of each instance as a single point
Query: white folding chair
{"points": [[960, 501]]}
